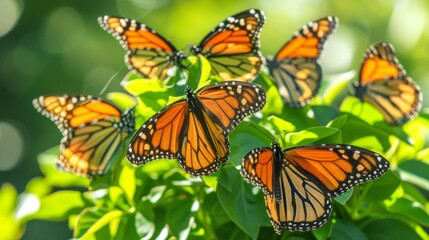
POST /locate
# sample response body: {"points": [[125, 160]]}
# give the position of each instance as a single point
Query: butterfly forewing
{"points": [[147, 52], [258, 168], [295, 68], [338, 167], [232, 47], [159, 137], [92, 131], [384, 83]]}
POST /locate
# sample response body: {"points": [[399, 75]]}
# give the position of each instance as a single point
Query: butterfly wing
{"points": [[147, 52], [58, 108], [160, 136], [385, 84], [227, 103], [92, 129], [295, 68], [194, 130], [306, 178], [232, 47], [257, 168]]}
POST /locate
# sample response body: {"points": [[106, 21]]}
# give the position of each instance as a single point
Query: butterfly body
{"points": [[384, 83], [295, 68], [195, 130], [92, 131], [298, 183]]}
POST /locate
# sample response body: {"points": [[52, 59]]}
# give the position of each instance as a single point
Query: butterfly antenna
{"points": [[264, 133], [278, 136], [110, 80]]}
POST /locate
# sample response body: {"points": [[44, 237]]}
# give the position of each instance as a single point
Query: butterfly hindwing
{"points": [[232, 48], [385, 84], [92, 131], [295, 68], [298, 183], [147, 52], [195, 130]]}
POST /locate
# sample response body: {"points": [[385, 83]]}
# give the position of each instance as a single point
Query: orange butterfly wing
{"points": [[194, 130], [147, 52], [295, 68], [384, 83], [92, 130], [232, 47], [299, 182]]}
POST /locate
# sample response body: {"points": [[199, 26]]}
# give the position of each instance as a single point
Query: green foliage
{"points": [[160, 200]]}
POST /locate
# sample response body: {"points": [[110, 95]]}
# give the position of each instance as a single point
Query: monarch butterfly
{"points": [[147, 52], [195, 130], [385, 84], [233, 46], [299, 182], [92, 130], [295, 68]]}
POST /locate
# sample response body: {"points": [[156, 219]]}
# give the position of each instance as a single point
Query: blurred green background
{"points": [[57, 47]]}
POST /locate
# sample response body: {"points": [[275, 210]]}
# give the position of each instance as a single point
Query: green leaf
{"points": [[144, 220], [59, 206], [121, 100], [301, 118], [325, 231], [313, 135], [343, 198], [152, 95], [38, 186], [324, 114], [364, 135], [118, 199], [126, 229], [343, 230], [364, 112], [335, 89], [213, 208], [57, 178], [244, 138], [245, 209], [180, 217], [127, 181], [387, 229], [274, 104], [415, 172], [281, 126], [199, 73], [410, 209], [210, 181], [158, 167], [338, 122], [8, 199], [383, 187], [412, 192], [96, 223], [9, 219]]}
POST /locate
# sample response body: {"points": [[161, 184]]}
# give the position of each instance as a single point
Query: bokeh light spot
{"points": [[10, 11], [63, 30], [11, 146], [407, 24]]}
